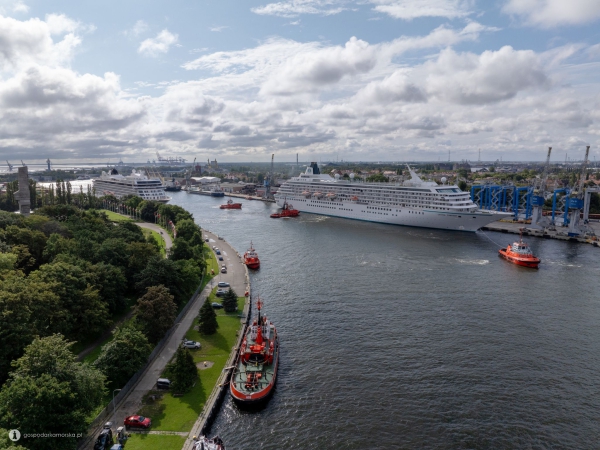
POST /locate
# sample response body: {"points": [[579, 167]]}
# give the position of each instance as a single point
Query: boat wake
{"points": [[427, 236], [473, 262]]}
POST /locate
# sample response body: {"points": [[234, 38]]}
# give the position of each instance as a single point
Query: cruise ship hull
{"points": [[444, 220]]}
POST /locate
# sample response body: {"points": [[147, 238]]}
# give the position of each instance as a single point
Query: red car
{"points": [[137, 422]]}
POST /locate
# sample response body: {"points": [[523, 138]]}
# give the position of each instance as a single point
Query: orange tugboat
{"points": [[231, 205], [520, 253], [255, 373], [251, 258], [287, 211]]}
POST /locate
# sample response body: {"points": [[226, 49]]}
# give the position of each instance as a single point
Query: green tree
{"points": [[161, 271], [6, 443], [230, 301], [156, 312], [183, 371], [50, 391], [15, 330], [378, 178], [462, 185], [122, 357], [186, 229], [207, 319]]}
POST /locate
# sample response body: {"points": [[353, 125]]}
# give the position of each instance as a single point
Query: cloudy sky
{"points": [[368, 80]]}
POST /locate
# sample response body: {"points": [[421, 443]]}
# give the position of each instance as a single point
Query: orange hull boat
{"points": [[287, 211], [231, 205], [251, 258], [520, 253]]}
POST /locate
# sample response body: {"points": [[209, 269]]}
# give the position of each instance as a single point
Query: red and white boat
{"points": [[255, 373], [251, 258], [204, 443], [519, 253], [231, 205], [286, 211]]}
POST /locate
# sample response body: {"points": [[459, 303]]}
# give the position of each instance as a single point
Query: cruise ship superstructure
{"points": [[113, 183], [414, 202]]}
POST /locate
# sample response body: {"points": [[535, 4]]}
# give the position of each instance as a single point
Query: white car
{"points": [[191, 344], [223, 284]]}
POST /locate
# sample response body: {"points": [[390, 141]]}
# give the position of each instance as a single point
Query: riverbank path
{"points": [[236, 276], [151, 226]]}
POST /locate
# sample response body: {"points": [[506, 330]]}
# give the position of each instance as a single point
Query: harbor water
{"points": [[403, 338]]}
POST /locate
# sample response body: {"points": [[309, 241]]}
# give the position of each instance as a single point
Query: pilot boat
{"points": [[519, 253], [287, 210], [255, 373], [231, 205], [251, 258]]}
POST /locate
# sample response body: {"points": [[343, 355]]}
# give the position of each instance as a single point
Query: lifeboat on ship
{"points": [[306, 194], [330, 196], [519, 253], [354, 198], [318, 195], [286, 211], [231, 205], [251, 258], [255, 373]]}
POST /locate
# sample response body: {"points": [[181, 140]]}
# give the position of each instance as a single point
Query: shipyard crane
{"points": [[10, 166], [539, 196], [575, 201]]}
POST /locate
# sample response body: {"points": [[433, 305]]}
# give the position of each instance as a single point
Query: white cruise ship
{"points": [[113, 183], [414, 203]]}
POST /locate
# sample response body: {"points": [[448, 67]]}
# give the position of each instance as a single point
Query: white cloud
{"points": [[293, 8], [409, 9], [219, 28], [16, 6], [467, 78], [26, 42], [160, 44], [552, 13], [139, 28]]}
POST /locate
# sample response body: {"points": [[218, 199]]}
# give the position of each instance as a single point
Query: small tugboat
{"points": [[520, 253], [255, 373], [287, 211], [204, 443], [251, 258], [231, 205]]}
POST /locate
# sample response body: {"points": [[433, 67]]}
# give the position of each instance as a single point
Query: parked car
{"points": [[223, 269], [216, 305], [218, 252], [137, 422], [163, 383], [191, 344], [206, 239], [220, 258], [223, 284], [104, 440], [220, 292], [220, 238]]}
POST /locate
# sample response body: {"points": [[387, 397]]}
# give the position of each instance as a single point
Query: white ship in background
{"points": [[113, 183], [414, 203]]}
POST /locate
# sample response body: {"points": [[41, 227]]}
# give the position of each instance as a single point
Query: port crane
{"points": [[539, 196], [10, 166], [575, 201]]}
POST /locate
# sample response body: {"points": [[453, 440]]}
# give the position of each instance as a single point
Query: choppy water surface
{"points": [[396, 337]]}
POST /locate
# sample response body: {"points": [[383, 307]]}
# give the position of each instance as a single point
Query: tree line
{"points": [[65, 273]]}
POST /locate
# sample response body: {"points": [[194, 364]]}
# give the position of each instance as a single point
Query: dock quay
{"points": [[253, 197], [559, 233], [215, 399]]}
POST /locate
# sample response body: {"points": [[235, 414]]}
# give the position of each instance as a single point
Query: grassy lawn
{"points": [[154, 441], [158, 238], [179, 413], [116, 217]]}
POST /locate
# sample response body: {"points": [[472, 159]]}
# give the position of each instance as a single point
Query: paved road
{"points": [[236, 276], [166, 237]]}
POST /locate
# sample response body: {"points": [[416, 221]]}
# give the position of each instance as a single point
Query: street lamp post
{"points": [[116, 390]]}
